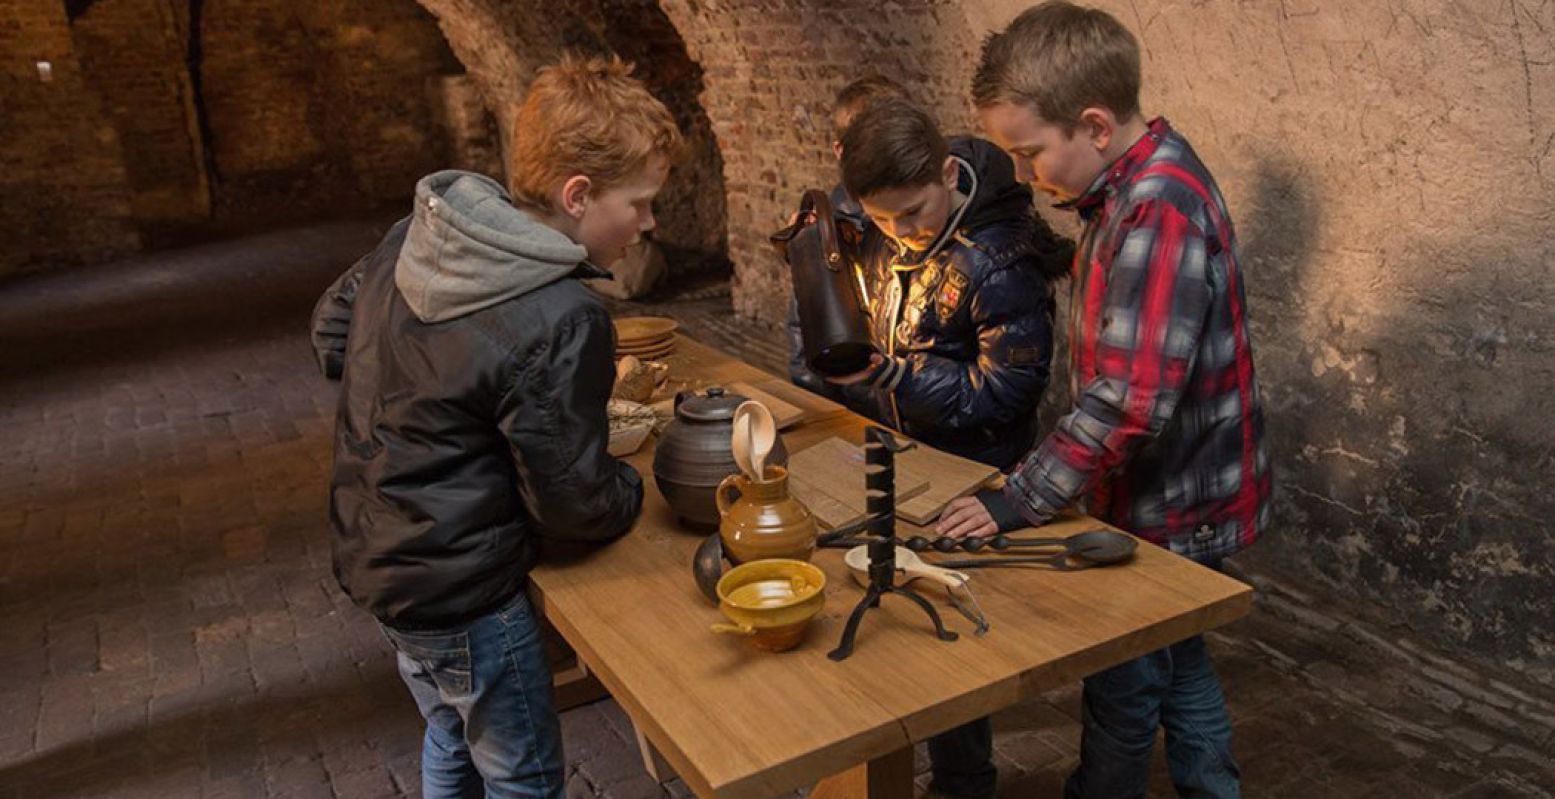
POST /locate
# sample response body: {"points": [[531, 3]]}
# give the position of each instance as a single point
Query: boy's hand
{"points": [[860, 376], [965, 516]]}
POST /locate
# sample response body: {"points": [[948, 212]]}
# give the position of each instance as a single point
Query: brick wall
{"points": [[61, 174], [474, 143], [772, 69], [309, 109], [132, 52], [691, 209], [320, 106]]}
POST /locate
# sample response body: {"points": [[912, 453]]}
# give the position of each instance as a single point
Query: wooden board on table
{"points": [[784, 413], [815, 406], [829, 479], [949, 477]]}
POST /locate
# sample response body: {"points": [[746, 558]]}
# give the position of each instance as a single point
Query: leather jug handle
{"points": [[816, 202], [817, 205], [721, 494]]}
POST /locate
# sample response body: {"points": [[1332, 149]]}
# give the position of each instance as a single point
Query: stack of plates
{"points": [[647, 337]]}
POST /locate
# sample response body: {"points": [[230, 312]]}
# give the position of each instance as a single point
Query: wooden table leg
{"points": [[571, 683], [658, 768], [886, 777]]}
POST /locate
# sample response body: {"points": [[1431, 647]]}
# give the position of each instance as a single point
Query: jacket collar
{"points": [[1120, 172], [588, 269], [966, 188]]}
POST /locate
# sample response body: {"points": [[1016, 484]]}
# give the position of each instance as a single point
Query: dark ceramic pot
{"points": [[694, 454]]}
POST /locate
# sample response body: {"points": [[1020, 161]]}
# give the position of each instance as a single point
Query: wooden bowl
{"points": [[638, 330], [647, 353]]}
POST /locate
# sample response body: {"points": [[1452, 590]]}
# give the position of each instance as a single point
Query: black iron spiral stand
{"points": [[880, 448]]}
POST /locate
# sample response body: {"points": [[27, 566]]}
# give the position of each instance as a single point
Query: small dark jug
{"points": [[694, 454], [832, 315]]}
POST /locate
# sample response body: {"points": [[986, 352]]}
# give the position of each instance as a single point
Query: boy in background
{"points": [[850, 100]]}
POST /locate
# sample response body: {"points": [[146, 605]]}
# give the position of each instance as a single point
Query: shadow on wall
{"points": [[1408, 462]]}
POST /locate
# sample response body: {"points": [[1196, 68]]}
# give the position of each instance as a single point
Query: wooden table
{"points": [[735, 722]]}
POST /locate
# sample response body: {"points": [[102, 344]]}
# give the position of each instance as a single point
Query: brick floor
{"points": [[169, 626]]}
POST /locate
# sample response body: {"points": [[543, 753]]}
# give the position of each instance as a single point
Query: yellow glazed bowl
{"points": [[771, 601]]}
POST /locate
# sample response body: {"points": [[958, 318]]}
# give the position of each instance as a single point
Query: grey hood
{"points": [[469, 248]]}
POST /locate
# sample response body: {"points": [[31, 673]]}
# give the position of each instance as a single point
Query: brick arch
{"points": [[502, 43]]}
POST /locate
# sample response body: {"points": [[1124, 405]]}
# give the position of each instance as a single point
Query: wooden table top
{"points": [[737, 722]]}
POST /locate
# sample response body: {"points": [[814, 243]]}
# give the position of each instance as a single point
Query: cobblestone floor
{"points": [[169, 626]]}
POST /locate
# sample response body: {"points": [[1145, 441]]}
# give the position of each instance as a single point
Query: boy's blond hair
{"points": [[586, 116], [1060, 59]]}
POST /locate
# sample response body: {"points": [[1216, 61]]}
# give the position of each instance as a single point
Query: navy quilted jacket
{"points": [[968, 324]]}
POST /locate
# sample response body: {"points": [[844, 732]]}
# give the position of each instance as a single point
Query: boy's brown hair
{"points": [[1060, 59], [892, 144], [852, 98], [586, 116]]}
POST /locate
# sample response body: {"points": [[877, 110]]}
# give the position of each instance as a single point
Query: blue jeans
{"points": [[962, 761], [1175, 688], [485, 691]]}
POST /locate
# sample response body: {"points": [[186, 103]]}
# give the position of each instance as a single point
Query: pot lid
{"points": [[716, 405]]}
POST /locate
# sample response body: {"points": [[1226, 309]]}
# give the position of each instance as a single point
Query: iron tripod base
{"points": [[880, 448], [872, 600]]}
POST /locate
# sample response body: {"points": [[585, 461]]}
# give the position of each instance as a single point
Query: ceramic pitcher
{"points": [[760, 520]]}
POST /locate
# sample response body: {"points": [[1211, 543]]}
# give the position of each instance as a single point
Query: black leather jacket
{"points": [[968, 324], [462, 439]]}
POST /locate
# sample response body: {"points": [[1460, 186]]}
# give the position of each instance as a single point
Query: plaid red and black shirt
{"points": [[1166, 437]]}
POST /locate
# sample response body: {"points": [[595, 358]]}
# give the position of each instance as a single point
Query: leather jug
{"points": [[832, 313]]}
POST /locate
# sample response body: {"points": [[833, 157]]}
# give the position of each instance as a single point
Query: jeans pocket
{"points": [[442, 658], [517, 610]]}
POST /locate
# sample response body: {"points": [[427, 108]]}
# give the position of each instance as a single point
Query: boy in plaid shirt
{"points": [[1166, 436]]}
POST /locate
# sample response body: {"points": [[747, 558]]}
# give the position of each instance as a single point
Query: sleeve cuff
{"points": [[1001, 509], [889, 375], [1030, 516]]}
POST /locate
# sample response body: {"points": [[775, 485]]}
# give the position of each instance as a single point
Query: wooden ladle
{"points": [[755, 433]]}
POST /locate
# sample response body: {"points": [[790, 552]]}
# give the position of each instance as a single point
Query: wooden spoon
{"points": [[761, 430], [907, 563], [740, 443]]}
